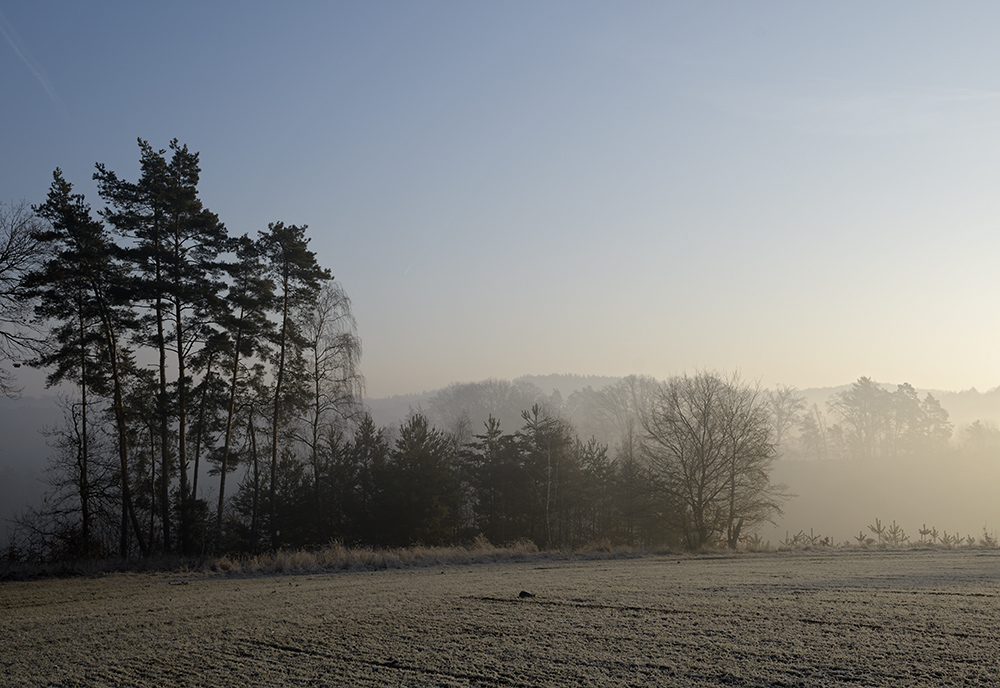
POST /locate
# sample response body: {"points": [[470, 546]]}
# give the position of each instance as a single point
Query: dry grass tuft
{"points": [[337, 557], [332, 558]]}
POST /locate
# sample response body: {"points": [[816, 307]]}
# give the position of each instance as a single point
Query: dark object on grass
{"points": [[525, 593]]}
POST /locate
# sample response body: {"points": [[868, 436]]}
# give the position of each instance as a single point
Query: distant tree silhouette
{"points": [[636, 493], [80, 515], [461, 408], [813, 434], [786, 407], [878, 423], [598, 503]]}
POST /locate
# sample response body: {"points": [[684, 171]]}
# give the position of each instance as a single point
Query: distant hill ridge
{"points": [[963, 407], [567, 384]]}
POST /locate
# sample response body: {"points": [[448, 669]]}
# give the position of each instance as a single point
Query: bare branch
{"points": [[19, 255]]}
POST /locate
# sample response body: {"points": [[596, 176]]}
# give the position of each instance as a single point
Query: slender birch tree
{"points": [[332, 352]]}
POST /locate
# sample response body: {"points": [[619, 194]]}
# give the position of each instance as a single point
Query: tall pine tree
{"points": [[298, 278], [175, 255], [83, 287]]}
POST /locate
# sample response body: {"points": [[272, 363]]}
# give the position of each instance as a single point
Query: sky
{"points": [[801, 192]]}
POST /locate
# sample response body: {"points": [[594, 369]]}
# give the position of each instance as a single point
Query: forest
{"points": [[213, 402]]}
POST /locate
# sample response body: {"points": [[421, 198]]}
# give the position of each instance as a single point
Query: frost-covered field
{"points": [[868, 618]]}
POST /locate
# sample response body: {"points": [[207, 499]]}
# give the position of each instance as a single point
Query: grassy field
{"points": [[803, 618]]}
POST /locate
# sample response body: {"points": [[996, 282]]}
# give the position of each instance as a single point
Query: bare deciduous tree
{"points": [[623, 403], [77, 518], [787, 407], [710, 439], [813, 434], [19, 255]]}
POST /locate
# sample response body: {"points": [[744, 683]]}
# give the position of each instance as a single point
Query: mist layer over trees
{"points": [[212, 401]]}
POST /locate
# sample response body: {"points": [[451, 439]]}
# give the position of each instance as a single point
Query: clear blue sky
{"points": [[804, 192]]}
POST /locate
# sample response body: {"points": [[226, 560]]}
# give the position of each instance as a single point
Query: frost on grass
{"points": [[849, 616]]}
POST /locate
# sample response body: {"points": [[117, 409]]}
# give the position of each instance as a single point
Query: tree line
{"points": [[186, 347], [217, 406], [689, 467]]}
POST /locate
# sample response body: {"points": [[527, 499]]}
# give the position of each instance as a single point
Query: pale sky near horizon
{"points": [[804, 192]]}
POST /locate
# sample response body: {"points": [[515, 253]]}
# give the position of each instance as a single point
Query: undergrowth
{"points": [[331, 558], [338, 557], [883, 536]]}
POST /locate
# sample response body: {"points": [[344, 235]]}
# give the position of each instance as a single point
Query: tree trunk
{"points": [[227, 442], [182, 459], [276, 417], [161, 408], [84, 477], [201, 423], [128, 509], [255, 512]]}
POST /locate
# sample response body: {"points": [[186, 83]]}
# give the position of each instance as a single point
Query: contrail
{"points": [[12, 40]]}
